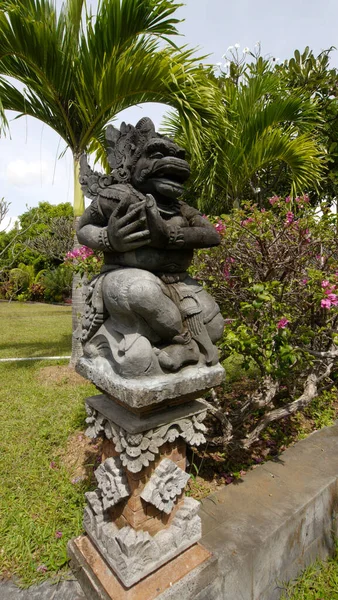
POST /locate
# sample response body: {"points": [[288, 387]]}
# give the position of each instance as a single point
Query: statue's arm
{"points": [[199, 234], [124, 230], [92, 229]]}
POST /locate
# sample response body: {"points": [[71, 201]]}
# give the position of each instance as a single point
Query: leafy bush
{"points": [[275, 276], [57, 284]]}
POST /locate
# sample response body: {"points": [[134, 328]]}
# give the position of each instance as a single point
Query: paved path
{"points": [[64, 590]]}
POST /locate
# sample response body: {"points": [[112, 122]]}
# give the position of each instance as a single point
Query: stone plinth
{"points": [[100, 583], [144, 392], [138, 518]]}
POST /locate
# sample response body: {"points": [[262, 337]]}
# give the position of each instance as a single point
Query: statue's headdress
{"points": [[126, 145], [124, 148]]}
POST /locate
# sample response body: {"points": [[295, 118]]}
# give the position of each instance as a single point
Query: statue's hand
{"points": [[159, 230], [127, 227]]}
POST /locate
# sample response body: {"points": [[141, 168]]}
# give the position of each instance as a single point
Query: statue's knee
{"points": [[145, 295]]}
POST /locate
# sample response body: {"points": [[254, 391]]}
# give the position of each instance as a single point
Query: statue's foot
{"points": [[212, 356], [176, 356]]}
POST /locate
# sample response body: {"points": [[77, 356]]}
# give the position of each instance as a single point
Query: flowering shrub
{"points": [[275, 276], [84, 261]]}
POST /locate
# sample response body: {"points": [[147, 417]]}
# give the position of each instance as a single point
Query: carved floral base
{"points": [[138, 517]]}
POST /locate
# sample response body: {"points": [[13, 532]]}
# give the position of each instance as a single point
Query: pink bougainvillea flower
{"points": [[76, 480], [42, 569], [228, 477], [220, 227], [273, 200], [282, 323], [58, 534], [304, 281], [306, 198], [333, 299], [247, 221], [288, 199], [263, 210], [79, 253], [325, 303], [325, 283], [289, 217]]}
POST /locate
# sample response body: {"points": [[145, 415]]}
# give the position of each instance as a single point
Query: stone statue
{"points": [[145, 315]]}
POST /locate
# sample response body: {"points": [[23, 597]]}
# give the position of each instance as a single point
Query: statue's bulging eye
{"points": [[156, 155]]}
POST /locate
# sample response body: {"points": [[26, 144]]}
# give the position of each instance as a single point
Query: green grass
{"points": [[34, 330], [318, 582], [37, 414]]}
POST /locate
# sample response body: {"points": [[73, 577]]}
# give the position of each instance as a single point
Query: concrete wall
{"points": [[264, 530]]}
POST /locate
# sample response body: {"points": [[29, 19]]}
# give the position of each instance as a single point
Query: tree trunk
{"points": [[79, 283]]}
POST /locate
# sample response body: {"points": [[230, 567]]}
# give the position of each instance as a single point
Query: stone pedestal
{"points": [[138, 518], [99, 582]]}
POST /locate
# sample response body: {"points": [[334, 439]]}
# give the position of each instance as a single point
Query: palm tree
{"points": [[80, 70], [270, 143]]}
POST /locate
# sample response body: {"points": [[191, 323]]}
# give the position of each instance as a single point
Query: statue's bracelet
{"points": [[104, 239]]}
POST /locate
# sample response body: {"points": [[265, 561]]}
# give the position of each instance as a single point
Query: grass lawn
{"points": [[34, 330], [319, 582], [42, 415]]}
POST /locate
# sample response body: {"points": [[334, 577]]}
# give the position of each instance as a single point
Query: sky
{"points": [[30, 171]]}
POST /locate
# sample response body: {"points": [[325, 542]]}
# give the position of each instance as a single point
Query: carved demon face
{"points": [[161, 169], [152, 163]]}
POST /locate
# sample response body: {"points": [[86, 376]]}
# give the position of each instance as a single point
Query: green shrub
{"points": [[57, 284], [275, 276]]}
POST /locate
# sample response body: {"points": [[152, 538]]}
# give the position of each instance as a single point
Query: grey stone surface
{"points": [[63, 590], [134, 554], [188, 384], [165, 485], [144, 315], [136, 423], [137, 450]]}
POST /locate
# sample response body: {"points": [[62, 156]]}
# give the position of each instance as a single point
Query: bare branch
{"points": [[309, 393], [226, 425], [332, 354]]}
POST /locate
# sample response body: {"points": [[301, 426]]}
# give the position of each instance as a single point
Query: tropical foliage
{"points": [[32, 254], [79, 70], [275, 276], [41, 237], [314, 77], [271, 144]]}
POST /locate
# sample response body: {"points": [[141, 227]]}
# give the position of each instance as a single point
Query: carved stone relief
{"points": [[134, 554], [137, 450], [165, 485], [112, 482]]}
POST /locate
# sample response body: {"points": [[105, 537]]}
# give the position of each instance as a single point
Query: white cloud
{"points": [[23, 173]]}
